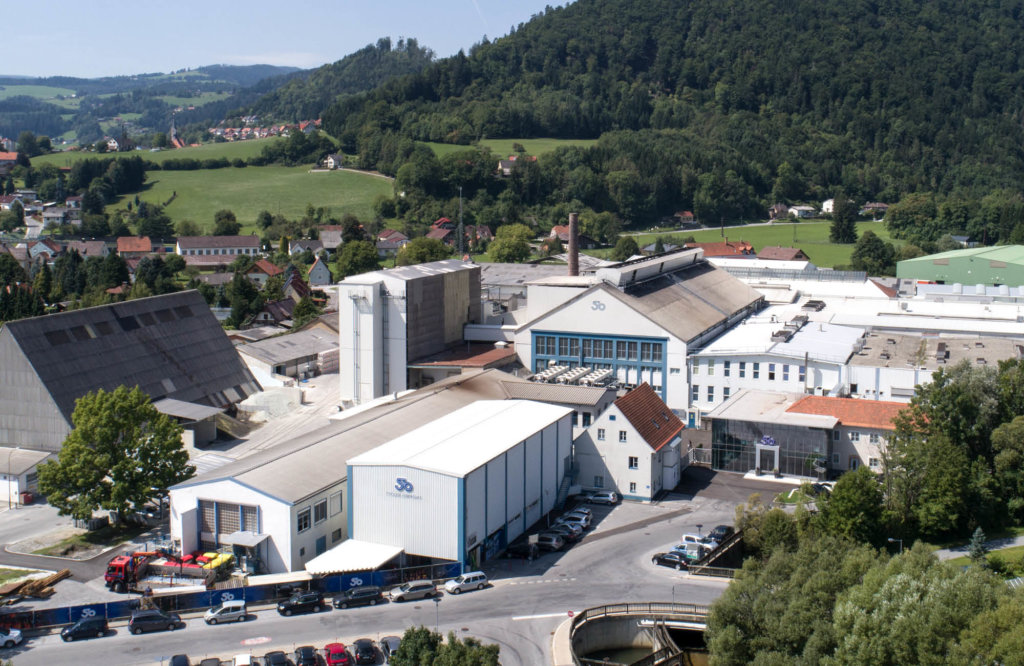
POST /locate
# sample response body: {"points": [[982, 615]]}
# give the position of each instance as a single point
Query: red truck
{"points": [[130, 571]]}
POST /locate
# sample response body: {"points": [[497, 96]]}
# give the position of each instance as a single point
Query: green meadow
{"points": [[811, 237], [249, 190], [207, 151]]}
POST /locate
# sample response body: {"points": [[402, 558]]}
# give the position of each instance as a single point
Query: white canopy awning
{"points": [[247, 539], [352, 555]]}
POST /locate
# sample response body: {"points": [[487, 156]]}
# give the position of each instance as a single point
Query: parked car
{"points": [[522, 550], [305, 656], [87, 627], [180, 660], [603, 497], [416, 589], [672, 558], [244, 660], [582, 508], [550, 541], [691, 552], [367, 595], [335, 654], [275, 658], [10, 637], [703, 540], [575, 519], [229, 611], [389, 645], [152, 620], [210, 661], [568, 531], [719, 533], [301, 602], [364, 651], [474, 580]]}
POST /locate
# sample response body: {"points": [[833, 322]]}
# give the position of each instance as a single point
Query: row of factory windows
{"points": [[622, 350], [801, 370], [318, 513]]}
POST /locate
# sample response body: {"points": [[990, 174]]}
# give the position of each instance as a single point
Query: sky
{"points": [[94, 38]]}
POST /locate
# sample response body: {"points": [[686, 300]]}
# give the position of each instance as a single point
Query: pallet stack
{"points": [[37, 587]]}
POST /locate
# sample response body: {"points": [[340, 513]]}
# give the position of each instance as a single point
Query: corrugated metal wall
{"points": [[423, 520], [514, 499], [28, 415]]}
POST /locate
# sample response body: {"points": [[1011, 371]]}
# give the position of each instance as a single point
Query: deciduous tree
{"points": [[119, 450], [357, 257]]}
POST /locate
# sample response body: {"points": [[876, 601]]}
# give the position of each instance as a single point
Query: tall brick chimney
{"points": [[574, 244]]}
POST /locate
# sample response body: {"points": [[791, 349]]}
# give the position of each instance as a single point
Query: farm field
{"points": [[206, 151], [504, 146], [198, 100], [46, 93], [811, 237], [246, 192]]}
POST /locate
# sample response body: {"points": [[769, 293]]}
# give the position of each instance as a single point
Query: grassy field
{"points": [[246, 192], [203, 98], [7, 575], [811, 237], [206, 151], [504, 146], [39, 92], [1011, 556]]}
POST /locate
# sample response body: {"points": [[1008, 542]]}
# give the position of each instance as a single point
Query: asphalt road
{"points": [[520, 611]]}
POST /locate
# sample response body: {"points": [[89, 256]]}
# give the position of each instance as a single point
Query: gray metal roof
{"points": [[769, 407], [170, 346], [308, 464], [18, 461], [185, 410], [558, 393], [492, 275], [285, 348]]}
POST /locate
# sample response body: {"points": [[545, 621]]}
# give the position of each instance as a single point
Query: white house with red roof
{"points": [[632, 447], [261, 271], [862, 430]]}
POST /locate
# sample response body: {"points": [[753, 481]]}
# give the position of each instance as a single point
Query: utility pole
{"points": [[462, 232]]}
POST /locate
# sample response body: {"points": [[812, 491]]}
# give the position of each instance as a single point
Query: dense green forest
{"points": [[307, 95], [759, 101]]}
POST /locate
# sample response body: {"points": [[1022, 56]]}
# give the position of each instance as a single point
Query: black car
{"points": [[720, 533], [364, 651], [180, 660], [367, 595], [275, 658], [153, 620], [671, 559], [87, 627], [301, 602], [305, 656]]}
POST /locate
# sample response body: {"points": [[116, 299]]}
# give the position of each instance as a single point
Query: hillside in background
{"points": [[307, 95], [877, 97]]}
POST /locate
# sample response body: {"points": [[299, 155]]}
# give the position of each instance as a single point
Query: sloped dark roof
{"points": [[651, 417], [171, 346]]}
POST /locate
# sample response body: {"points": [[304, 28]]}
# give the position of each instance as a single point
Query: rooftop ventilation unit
{"points": [[783, 336]]}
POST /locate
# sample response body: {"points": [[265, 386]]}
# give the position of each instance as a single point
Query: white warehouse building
{"points": [[462, 487]]}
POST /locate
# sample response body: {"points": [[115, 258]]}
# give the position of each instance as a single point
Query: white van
{"points": [[474, 580], [229, 611]]}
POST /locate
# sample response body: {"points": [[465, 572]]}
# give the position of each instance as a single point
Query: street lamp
{"points": [[437, 614], [699, 527], [900, 541]]}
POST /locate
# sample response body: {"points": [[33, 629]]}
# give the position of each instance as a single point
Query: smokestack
{"points": [[574, 244]]}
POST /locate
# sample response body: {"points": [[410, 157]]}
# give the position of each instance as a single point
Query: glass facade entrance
{"points": [[733, 447]]}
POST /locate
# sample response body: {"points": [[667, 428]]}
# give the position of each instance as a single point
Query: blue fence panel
{"points": [[116, 609], [258, 593], [48, 617], [76, 613]]}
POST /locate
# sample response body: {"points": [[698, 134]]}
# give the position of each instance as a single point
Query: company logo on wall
{"points": [[403, 489]]}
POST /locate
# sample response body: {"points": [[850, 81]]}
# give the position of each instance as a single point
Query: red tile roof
{"points": [[726, 249], [777, 253], [851, 411], [266, 267], [134, 244], [650, 416], [439, 234], [8, 157]]}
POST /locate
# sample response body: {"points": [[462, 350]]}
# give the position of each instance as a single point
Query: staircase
{"points": [[563, 492]]}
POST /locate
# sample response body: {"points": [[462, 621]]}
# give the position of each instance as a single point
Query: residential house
{"points": [[46, 249], [505, 166], [261, 271], [481, 233], [777, 253], [8, 160], [113, 145], [55, 215], [222, 246], [278, 313], [20, 254], [561, 232], [134, 247], [389, 242], [632, 447], [300, 246], [7, 199], [319, 274], [333, 161], [74, 202], [828, 206], [91, 248], [725, 249], [874, 209], [294, 287], [778, 211], [446, 236], [330, 236], [802, 211]]}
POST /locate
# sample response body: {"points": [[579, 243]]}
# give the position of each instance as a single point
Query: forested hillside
{"points": [[307, 95], [787, 99]]}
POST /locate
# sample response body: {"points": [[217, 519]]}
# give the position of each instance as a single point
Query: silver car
{"points": [[417, 589]]}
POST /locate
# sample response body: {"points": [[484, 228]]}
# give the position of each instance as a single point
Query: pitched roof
{"points": [[778, 253], [265, 266], [851, 411], [171, 346], [93, 248], [134, 244], [439, 233], [286, 348], [725, 249], [195, 242], [649, 414], [8, 157]]}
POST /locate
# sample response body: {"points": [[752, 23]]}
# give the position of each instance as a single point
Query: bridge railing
{"points": [[662, 610]]}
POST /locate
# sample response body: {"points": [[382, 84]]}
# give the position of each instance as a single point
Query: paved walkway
{"points": [[992, 544]]}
